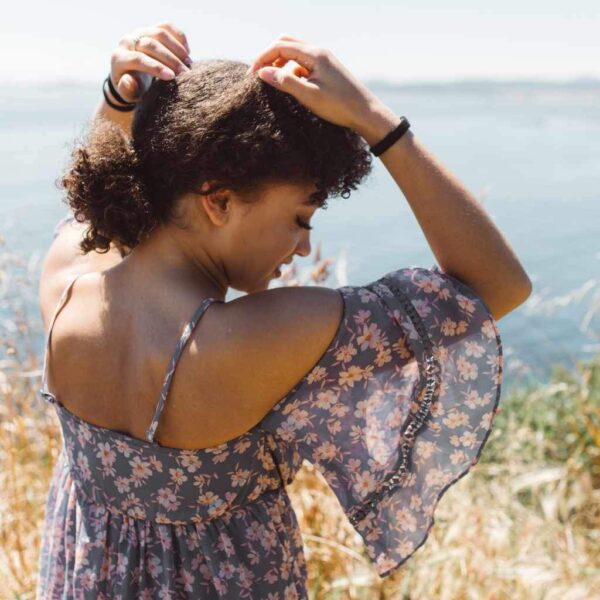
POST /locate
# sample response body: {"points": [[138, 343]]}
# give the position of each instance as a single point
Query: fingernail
{"points": [[268, 73], [188, 61], [167, 73]]}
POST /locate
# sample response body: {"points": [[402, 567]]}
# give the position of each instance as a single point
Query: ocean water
{"points": [[530, 152]]}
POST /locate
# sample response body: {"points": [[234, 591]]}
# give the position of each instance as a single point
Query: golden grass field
{"points": [[523, 524]]}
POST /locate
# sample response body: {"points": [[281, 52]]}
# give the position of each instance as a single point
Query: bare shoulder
{"points": [[265, 343], [64, 260]]}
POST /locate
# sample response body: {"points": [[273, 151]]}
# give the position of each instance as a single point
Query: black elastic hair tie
{"points": [[391, 137]]}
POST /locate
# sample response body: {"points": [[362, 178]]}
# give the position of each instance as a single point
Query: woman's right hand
{"points": [[161, 52], [317, 80]]}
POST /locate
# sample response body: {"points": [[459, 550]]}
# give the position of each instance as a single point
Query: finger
{"points": [[175, 31], [288, 81], [140, 61], [164, 48], [301, 53]]}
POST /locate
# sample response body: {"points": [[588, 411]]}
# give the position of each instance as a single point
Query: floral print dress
{"points": [[396, 410]]}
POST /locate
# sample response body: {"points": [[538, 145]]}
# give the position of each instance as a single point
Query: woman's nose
{"points": [[303, 248]]}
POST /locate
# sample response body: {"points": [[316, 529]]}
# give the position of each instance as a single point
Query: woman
{"points": [[174, 486]]}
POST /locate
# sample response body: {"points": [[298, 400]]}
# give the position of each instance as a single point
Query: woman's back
{"points": [[115, 338], [132, 518]]}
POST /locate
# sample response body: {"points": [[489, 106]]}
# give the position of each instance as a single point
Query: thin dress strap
{"points": [[189, 327], [61, 302]]}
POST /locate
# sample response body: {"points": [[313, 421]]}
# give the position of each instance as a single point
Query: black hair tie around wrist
{"points": [[391, 137], [125, 106]]}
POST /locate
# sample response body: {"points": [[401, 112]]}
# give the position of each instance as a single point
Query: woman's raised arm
{"points": [[162, 51], [463, 238]]}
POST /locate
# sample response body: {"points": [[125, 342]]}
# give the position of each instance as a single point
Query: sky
{"points": [[391, 40]]}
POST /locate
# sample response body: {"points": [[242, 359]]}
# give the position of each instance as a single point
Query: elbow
{"points": [[518, 294]]}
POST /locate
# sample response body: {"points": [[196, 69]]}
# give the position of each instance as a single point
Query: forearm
{"points": [[462, 236]]}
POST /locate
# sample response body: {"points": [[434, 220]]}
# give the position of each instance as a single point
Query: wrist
{"points": [[376, 122]]}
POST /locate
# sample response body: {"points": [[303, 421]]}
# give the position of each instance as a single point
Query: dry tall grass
{"points": [[525, 523]]}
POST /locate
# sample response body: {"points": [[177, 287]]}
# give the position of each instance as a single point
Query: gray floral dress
{"points": [[396, 410]]}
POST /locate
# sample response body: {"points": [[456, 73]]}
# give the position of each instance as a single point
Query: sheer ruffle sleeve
{"points": [[399, 406]]}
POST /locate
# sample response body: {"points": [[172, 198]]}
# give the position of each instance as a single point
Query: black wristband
{"points": [[391, 137], [116, 94], [127, 108]]}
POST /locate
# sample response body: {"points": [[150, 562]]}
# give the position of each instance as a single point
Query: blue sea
{"points": [[529, 151]]}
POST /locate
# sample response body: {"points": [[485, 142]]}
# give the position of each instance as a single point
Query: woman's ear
{"points": [[217, 205]]}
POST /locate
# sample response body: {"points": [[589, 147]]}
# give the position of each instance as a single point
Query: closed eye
{"points": [[303, 224]]}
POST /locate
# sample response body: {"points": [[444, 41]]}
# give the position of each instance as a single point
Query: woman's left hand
{"points": [[160, 52]]}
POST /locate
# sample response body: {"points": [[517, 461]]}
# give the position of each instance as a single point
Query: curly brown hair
{"points": [[212, 123]]}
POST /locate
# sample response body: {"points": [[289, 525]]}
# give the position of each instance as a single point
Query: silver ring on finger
{"points": [[135, 40]]}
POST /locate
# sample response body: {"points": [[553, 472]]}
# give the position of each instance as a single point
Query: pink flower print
{"points": [[425, 449], [466, 369], [457, 456], [226, 570], [165, 497], [299, 418], [106, 454], [345, 353], [268, 538], [240, 477], [367, 372], [437, 409], [156, 464], [383, 356], [326, 399], [405, 548], [140, 471], [83, 466], [367, 295], [486, 421], [415, 502], [362, 316], [472, 399], [164, 536], [349, 377], [146, 594], [291, 592], [200, 480], [465, 303], [253, 530], [449, 327], [489, 329], [429, 284], [334, 427], [178, 476], [434, 477], [225, 544], [165, 593], [190, 461], [123, 447], [245, 577], [339, 410], [241, 446], [364, 483], [87, 579], [186, 579], [473, 349], [326, 451], [406, 520], [83, 433], [456, 419], [122, 564], [468, 439], [455, 440], [371, 337], [220, 585], [221, 456], [316, 374], [137, 512], [122, 484]]}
